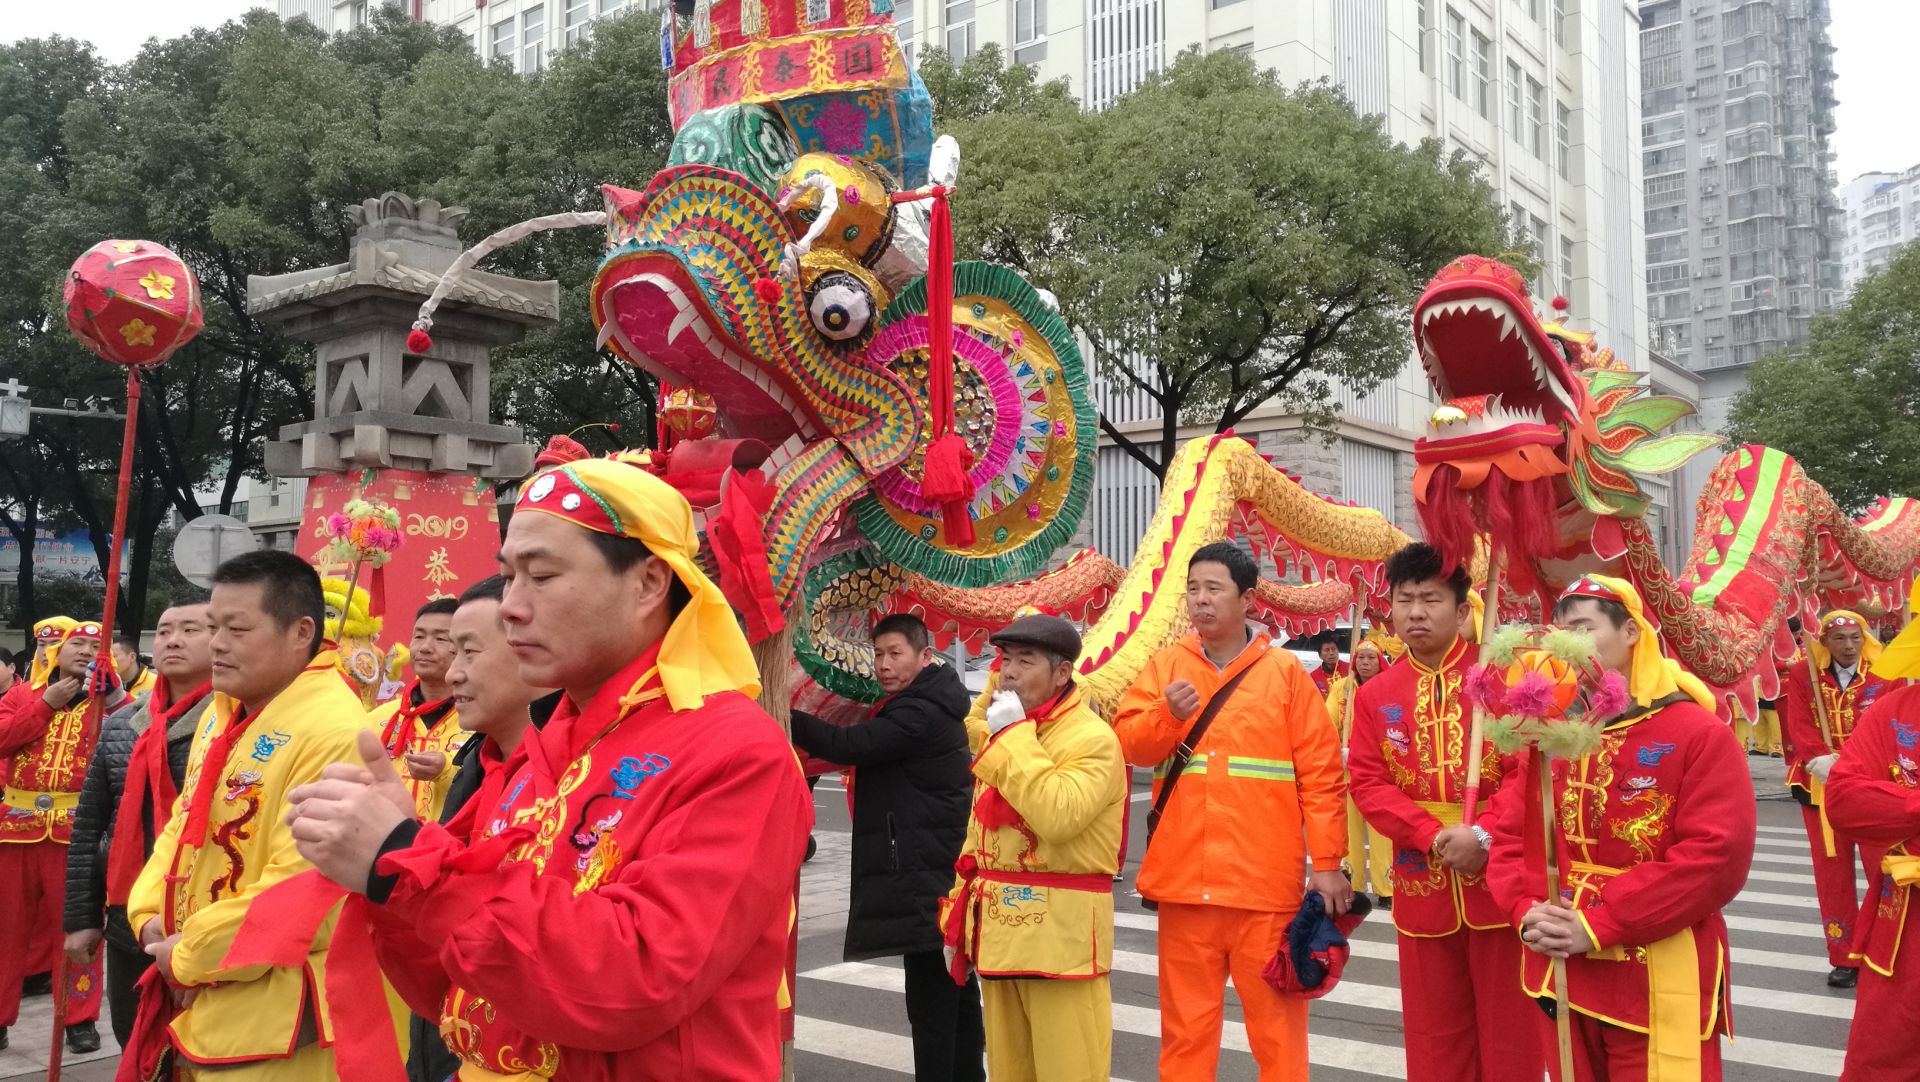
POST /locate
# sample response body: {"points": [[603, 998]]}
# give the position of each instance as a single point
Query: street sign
{"points": [[206, 541], [16, 414]]}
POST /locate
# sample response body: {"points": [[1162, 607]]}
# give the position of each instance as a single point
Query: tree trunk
{"points": [[23, 582]]}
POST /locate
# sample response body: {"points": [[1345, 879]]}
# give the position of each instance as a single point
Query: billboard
{"points": [[69, 553]]}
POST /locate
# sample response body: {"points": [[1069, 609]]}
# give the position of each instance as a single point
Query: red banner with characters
{"points": [[450, 536]]}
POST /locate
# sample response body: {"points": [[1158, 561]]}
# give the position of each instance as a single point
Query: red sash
{"points": [[399, 731], [954, 931], [149, 784]]}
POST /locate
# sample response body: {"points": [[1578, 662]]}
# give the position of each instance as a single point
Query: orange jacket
{"points": [[1262, 793]]}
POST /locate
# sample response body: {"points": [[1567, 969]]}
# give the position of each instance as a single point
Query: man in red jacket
{"points": [[1873, 793], [1408, 761], [1655, 833], [1816, 729], [626, 913], [47, 744]]}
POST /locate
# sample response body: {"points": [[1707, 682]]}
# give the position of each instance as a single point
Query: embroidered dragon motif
{"points": [[242, 788], [1649, 823]]}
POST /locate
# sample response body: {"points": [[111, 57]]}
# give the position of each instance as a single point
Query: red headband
{"points": [[558, 492], [1586, 587]]}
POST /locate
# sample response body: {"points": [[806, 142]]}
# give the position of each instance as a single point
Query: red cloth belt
{"points": [[954, 931]]}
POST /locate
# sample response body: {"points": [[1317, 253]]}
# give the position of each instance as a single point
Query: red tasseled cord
{"points": [[418, 341], [946, 478]]}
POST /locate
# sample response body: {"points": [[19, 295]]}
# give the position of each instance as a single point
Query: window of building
{"points": [[1513, 102], [1705, 57], [1537, 118], [1029, 31], [960, 38], [1482, 75], [1666, 275], [357, 14], [1563, 140], [1670, 188], [1423, 14], [577, 21], [1456, 55], [1710, 267], [502, 46], [1713, 296], [1703, 26], [533, 39], [903, 27], [1566, 264], [1560, 30], [611, 7]]}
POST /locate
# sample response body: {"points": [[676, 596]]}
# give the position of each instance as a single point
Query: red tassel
{"points": [[1561, 304], [418, 341], [767, 289]]}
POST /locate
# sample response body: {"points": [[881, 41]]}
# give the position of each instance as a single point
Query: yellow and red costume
{"points": [[47, 752], [1032, 904], [1834, 854], [1458, 952], [1324, 679], [46, 638], [226, 842], [1873, 794], [1369, 853], [409, 724], [1655, 832], [623, 911], [1261, 794]]}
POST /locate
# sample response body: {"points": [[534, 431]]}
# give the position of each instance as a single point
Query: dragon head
{"points": [[1535, 421]]}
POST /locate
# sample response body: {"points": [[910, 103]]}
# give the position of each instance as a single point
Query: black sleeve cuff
{"points": [[380, 887]]}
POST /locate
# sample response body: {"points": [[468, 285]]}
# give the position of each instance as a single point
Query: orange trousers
{"points": [[1201, 946]]}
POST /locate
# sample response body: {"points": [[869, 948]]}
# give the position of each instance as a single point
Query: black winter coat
{"points": [[99, 807], [912, 784]]}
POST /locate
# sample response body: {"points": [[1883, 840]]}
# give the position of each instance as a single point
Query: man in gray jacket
{"points": [[130, 788]]}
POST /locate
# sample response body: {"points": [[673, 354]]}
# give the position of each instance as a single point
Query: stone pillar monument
{"points": [[414, 432]]}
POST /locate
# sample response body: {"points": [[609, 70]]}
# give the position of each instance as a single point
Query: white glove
{"points": [[947, 954], [1820, 764], [1003, 710]]}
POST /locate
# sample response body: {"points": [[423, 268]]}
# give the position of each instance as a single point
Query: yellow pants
{"points": [[314, 1063], [1369, 855], [1048, 1031], [1763, 737]]}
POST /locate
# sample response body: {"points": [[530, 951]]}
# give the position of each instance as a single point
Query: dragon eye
{"points": [[841, 306]]}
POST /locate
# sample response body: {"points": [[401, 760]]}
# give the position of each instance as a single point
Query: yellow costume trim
{"points": [[24, 800], [1904, 870], [1673, 994]]}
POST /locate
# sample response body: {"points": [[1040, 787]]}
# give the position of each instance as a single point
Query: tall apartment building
{"points": [[1540, 91], [1883, 214], [523, 33], [1743, 232]]}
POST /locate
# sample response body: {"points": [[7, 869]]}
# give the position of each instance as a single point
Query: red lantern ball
{"points": [[688, 412], [133, 302]]}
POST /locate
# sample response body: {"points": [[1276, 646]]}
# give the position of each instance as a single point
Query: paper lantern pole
{"points": [[133, 303]]}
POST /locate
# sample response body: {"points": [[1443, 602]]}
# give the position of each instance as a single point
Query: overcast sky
{"points": [[1875, 39]]}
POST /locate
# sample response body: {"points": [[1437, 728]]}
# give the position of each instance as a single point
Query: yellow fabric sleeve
{"points": [[1059, 797]]}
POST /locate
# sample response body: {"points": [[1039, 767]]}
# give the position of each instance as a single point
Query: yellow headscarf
{"points": [[1651, 675], [78, 630], [47, 636], [1390, 646], [1870, 650], [704, 651]]}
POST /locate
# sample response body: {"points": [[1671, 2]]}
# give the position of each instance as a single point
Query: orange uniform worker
{"points": [[1261, 793]]}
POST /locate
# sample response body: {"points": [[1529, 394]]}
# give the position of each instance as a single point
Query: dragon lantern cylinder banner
{"points": [[450, 531]]}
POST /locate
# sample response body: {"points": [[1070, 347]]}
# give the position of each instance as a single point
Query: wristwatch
{"points": [[1485, 839]]}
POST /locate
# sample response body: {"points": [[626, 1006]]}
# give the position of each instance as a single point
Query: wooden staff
{"points": [[1477, 736], [1819, 698], [1562, 1018]]}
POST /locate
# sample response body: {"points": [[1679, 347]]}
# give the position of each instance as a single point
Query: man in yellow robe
{"points": [[281, 712], [1032, 908]]}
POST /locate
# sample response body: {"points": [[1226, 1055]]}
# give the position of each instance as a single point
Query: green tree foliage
{"points": [[1847, 404], [241, 147], [1222, 241]]}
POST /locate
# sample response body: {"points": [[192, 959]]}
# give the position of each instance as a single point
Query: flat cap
{"points": [[1043, 632]]}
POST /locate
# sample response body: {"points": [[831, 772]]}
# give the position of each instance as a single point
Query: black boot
{"points": [[1385, 903], [3, 1038], [82, 1038], [1843, 977]]}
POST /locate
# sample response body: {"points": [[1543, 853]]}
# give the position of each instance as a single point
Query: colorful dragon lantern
{"points": [[1539, 444], [784, 279]]}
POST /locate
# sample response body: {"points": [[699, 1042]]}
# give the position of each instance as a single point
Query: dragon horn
{"points": [[418, 339]]}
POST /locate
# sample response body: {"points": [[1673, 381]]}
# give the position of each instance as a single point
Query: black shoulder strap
{"points": [[1183, 752]]}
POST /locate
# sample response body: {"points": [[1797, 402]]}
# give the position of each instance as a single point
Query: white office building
{"points": [[1882, 214]]}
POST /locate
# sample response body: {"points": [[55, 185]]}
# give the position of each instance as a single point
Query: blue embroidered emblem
{"points": [[1411, 862], [1011, 896], [1652, 754], [1392, 712], [1905, 735], [631, 771], [268, 743]]}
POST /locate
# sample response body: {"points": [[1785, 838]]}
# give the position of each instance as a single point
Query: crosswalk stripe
{"points": [[1740, 922], [1797, 845], [1792, 832], [1780, 1055], [1760, 897]]}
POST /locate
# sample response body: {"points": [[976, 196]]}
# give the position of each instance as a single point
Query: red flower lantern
{"points": [[685, 414], [133, 302]]}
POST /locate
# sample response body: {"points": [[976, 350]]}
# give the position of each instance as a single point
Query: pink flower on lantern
{"points": [[1531, 696], [1611, 698]]}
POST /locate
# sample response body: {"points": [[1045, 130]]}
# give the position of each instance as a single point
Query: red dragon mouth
{"points": [[1478, 338]]}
